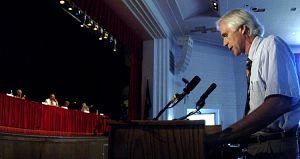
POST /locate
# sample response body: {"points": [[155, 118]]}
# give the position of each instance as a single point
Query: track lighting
{"points": [[87, 22]]}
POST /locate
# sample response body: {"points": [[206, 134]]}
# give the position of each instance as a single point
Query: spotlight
{"points": [[105, 35], [70, 8], [90, 22], [101, 30], [78, 13], [100, 33], [83, 22], [115, 45], [61, 2], [215, 5], [111, 39], [96, 27]]}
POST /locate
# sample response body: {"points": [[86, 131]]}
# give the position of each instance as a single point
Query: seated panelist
{"points": [[52, 101]]}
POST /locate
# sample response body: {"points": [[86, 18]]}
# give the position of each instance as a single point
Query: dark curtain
{"points": [[29, 117], [105, 16]]}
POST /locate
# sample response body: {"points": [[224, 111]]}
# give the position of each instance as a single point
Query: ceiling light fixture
{"points": [[87, 22], [215, 5]]}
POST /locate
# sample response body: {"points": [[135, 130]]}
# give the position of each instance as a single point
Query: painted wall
{"points": [[214, 64]]}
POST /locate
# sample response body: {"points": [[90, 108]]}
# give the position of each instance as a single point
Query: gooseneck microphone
{"points": [[188, 88], [201, 100], [192, 84], [178, 97]]}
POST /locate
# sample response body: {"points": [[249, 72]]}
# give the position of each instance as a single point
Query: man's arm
{"points": [[272, 108]]}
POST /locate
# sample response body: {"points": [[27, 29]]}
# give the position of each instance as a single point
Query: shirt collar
{"points": [[254, 47]]}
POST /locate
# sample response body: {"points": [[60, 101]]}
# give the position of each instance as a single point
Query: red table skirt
{"points": [[28, 117]]}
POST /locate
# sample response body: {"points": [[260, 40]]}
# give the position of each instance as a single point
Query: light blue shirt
{"points": [[273, 72]]}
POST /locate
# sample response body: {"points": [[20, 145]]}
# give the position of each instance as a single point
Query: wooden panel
{"points": [[39, 147], [157, 139]]}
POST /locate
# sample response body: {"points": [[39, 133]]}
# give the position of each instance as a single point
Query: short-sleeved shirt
{"points": [[273, 72]]}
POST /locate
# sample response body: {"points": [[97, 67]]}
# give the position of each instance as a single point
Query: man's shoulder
{"points": [[272, 39], [272, 42]]}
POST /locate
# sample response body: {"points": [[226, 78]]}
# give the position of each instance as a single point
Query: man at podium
{"points": [[269, 128]]}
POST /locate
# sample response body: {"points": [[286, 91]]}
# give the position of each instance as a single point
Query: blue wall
{"points": [[214, 64]]}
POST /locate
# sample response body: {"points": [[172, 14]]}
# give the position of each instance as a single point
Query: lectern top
{"points": [[159, 122]]}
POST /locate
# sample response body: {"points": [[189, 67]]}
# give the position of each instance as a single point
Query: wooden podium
{"points": [[152, 139]]}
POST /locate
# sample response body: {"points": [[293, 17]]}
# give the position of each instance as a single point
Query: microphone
{"points": [[178, 97], [185, 80], [191, 85], [205, 94]]}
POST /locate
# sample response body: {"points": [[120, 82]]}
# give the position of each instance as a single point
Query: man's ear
{"points": [[244, 29]]}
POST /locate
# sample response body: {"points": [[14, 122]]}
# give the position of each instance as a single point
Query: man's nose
{"points": [[225, 43]]}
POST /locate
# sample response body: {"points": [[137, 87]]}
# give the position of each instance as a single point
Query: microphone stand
{"points": [[177, 97], [198, 107], [185, 98]]}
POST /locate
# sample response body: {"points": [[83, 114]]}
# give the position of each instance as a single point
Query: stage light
{"points": [[90, 22], [100, 33], [78, 13], [87, 22], [101, 30], [83, 22], [96, 27], [115, 45], [70, 8], [62, 2], [215, 5], [111, 39], [106, 35]]}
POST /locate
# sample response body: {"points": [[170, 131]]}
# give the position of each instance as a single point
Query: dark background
{"points": [[43, 50]]}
